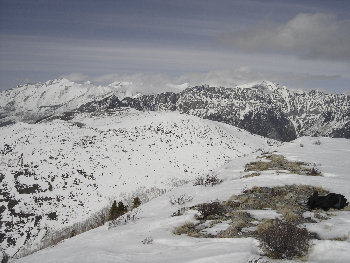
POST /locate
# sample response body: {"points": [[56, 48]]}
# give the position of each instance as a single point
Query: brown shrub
{"points": [[283, 240], [208, 180], [213, 209], [184, 229]]}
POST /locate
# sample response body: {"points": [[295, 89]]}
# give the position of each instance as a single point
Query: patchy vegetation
{"points": [[280, 163], [188, 228], [211, 210], [251, 175], [147, 241], [283, 239], [285, 199], [209, 180], [279, 234], [317, 142], [180, 200]]}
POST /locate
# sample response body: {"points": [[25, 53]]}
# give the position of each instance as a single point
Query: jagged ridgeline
{"points": [[268, 110], [265, 109]]}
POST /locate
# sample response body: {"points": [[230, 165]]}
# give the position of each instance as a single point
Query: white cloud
{"points": [[244, 74], [148, 83], [312, 36], [145, 83], [77, 77]]}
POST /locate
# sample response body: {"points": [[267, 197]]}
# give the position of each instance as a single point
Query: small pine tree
{"points": [[136, 203], [113, 212], [122, 209]]}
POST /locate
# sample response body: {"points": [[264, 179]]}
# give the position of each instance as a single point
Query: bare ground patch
{"points": [[279, 163]]}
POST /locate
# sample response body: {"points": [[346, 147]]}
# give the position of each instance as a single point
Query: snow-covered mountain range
{"points": [[67, 150], [31, 102], [266, 108]]}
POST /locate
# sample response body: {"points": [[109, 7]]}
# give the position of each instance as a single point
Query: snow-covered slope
{"points": [[123, 243], [54, 174]]}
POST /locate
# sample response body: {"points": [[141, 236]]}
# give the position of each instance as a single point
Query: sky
{"points": [[302, 44]]}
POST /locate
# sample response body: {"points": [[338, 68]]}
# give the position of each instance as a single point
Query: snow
{"points": [[56, 96], [335, 227], [264, 214], [123, 243], [330, 251], [217, 228], [80, 170]]}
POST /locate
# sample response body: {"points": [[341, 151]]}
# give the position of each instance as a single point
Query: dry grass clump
{"points": [[233, 231], [214, 210], [208, 180], [290, 216], [239, 221], [289, 200], [251, 175], [258, 260], [264, 225], [279, 162], [342, 238], [79, 124], [283, 239], [187, 228]]}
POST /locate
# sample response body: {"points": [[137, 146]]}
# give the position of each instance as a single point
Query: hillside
{"points": [[123, 243], [57, 173]]}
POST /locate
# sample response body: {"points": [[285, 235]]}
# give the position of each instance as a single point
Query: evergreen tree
{"points": [[136, 202], [121, 209], [113, 212]]}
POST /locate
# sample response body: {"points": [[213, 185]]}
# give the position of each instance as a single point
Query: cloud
{"points": [[145, 83], [41, 59], [244, 74], [76, 77], [309, 36], [149, 83]]}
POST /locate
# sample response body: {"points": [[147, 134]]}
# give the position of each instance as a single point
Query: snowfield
{"points": [[123, 243], [59, 173]]}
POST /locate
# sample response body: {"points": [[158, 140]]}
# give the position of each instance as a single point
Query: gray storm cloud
{"points": [[309, 36]]}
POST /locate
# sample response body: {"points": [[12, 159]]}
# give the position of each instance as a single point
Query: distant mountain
{"points": [[31, 102], [265, 109]]}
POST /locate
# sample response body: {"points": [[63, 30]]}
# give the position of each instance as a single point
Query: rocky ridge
{"points": [[266, 109]]}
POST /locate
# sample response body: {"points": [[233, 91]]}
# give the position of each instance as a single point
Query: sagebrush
{"points": [[283, 240]]}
